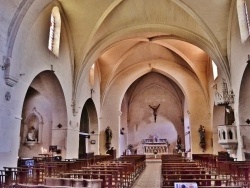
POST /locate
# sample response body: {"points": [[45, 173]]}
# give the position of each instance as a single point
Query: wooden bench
{"points": [[117, 178], [212, 186], [121, 172], [52, 181], [189, 176], [200, 182], [39, 186], [106, 178], [120, 175]]}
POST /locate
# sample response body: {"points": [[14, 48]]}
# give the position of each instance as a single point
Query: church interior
{"points": [[82, 78]]}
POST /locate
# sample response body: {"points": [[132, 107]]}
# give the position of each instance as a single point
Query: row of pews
{"points": [[237, 172], [99, 171], [200, 172]]}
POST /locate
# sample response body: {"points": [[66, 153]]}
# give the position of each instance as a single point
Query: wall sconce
{"points": [[59, 126], [122, 131]]}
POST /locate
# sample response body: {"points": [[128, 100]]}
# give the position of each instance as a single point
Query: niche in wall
{"points": [[32, 128]]}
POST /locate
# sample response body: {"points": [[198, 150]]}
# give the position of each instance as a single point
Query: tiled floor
{"points": [[150, 177]]}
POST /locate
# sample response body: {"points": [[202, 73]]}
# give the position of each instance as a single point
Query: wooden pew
{"points": [[182, 170], [106, 178], [208, 161], [212, 186], [125, 170], [238, 172], [52, 181], [117, 179], [121, 173], [2, 178], [200, 182]]}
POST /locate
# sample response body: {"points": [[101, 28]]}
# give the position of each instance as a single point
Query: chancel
{"points": [[155, 80], [155, 144]]}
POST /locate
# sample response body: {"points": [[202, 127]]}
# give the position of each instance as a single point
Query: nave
{"points": [[131, 171]]}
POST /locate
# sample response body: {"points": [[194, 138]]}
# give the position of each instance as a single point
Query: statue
{"points": [[178, 145], [229, 115], [202, 137], [155, 108], [31, 136], [109, 135]]}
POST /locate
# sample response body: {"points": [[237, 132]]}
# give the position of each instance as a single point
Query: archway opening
{"points": [[244, 111], [44, 108], [88, 133], [153, 109]]}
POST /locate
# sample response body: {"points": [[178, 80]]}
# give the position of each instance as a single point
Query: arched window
{"points": [[243, 17], [246, 8], [92, 75], [215, 70], [55, 31]]}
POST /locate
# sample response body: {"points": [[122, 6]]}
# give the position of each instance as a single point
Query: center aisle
{"points": [[150, 177]]}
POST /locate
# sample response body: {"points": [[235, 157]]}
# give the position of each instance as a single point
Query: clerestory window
{"points": [[55, 31], [243, 18]]}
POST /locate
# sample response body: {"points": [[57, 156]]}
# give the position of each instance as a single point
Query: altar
{"points": [[153, 145]]}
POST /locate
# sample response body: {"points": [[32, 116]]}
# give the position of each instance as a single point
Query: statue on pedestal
{"points": [[109, 135], [202, 137]]}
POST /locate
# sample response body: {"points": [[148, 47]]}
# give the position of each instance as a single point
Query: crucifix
{"points": [[155, 108]]}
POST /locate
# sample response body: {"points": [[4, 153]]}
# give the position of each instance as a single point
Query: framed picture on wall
{"points": [[92, 141]]}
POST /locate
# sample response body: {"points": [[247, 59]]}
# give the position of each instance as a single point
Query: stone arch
{"points": [[113, 98], [154, 89], [88, 132], [244, 96], [32, 10], [45, 105], [244, 110]]}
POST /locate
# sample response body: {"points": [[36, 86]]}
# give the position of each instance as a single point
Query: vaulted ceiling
{"points": [[121, 33]]}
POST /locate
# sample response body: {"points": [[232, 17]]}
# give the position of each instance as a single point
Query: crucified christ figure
{"points": [[155, 108]]}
